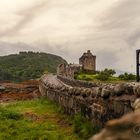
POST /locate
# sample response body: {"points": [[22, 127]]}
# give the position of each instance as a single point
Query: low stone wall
{"points": [[98, 103], [77, 83]]}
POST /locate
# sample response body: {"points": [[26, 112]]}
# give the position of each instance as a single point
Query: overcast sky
{"points": [[109, 28]]}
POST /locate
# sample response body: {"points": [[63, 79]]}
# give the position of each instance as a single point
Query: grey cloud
{"points": [[14, 48], [117, 27], [121, 15], [107, 59], [133, 38], [27, 15], [10, 48], [124, 19]]}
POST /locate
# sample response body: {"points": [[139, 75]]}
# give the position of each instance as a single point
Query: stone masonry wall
{"points": [[77, 83], [98, 103]]}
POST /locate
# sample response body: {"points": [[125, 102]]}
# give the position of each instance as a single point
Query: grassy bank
{"points": [[94, 77], [40, 120]]}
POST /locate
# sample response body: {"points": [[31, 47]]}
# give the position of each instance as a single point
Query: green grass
{"points": [[92, 77], [40, 120], [87, 77], [83, 128]]}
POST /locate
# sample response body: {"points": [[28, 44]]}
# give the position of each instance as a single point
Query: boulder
{"points": [[137, 90], [126, 128], [2, 88], [119, 89], [105, 93], [136, 104]]}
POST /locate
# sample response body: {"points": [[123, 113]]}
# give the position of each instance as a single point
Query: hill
{"points": [[27, 65]]}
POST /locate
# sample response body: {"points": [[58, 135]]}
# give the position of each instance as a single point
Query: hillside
{"points": [[27, 65]]}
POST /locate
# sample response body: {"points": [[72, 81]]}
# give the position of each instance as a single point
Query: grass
{"points": [[83, 128], [87, 77], [40, 120], [92, 77]]}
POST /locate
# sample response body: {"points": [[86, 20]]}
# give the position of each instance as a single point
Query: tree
{"points": [[127, 76], [111, 72], [105, 74]]}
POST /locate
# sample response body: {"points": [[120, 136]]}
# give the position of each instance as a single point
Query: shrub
{"points": [[111, 72], [127, 76], [105, 74]]}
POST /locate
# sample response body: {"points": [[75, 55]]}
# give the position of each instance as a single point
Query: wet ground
{"points": [[19, 91]]}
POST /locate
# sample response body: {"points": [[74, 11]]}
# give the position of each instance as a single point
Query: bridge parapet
{"points": [[97, 102], [77, 83]]}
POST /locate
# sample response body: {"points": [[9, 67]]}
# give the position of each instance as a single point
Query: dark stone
{"points": [[105, 93], [119, 89], [2, 88], [137, 90]]}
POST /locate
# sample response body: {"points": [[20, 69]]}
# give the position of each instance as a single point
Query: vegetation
{"points": [[41, 120], [85, 76], [27, 65], [83, 128], [106, 75], [127, 76]]}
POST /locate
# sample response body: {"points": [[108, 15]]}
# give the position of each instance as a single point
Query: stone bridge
{"points": [[97, 102]]}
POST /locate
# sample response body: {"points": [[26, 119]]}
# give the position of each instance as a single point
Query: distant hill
{"points": [[27, 65]]}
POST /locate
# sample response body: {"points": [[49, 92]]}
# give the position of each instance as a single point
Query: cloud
{"points": [[26, 16], [110, 29], [123, 19], [11, 48]]}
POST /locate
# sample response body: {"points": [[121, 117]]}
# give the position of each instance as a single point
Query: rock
{"points": [[84, 95], [2, 88], [136, 104], [88, 92], [137, 90], [96, 91], [78, 92], [126, 128], [129, 88], [105, 93], [63, 88], [119, 89]]}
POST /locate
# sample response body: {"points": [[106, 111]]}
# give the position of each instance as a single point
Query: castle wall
{"points": [[88, 62], [68, 70]]}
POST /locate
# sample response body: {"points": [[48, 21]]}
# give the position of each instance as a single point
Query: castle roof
{"points": [[87, 54]]}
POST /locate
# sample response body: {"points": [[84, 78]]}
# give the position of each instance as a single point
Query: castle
{"points": [[87, 63]]}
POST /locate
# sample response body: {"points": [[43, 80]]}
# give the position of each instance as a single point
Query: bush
{"points": [[105, 74], [111, 72], [127, 76], [102, 76]]}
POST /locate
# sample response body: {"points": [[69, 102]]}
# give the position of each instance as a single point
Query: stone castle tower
{"points": [[88, 62]]}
